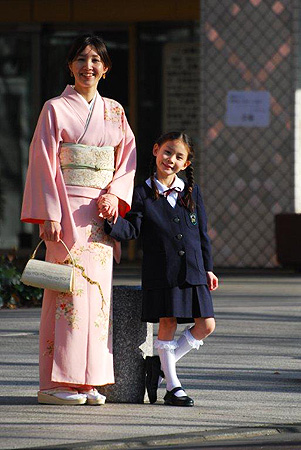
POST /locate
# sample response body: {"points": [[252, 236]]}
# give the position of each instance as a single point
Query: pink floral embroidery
{"points": [[50, 348], [100, 245], [113, 112], [65, 308], [103, 323], [100, 248]]}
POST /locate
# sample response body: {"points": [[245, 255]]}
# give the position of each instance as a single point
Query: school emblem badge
{"points": [[193, 218]]}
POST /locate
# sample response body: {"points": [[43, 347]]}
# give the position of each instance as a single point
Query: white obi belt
{"points": [[87, 165]]}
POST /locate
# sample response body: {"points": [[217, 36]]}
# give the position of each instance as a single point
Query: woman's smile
{"points": [[87, 69]]}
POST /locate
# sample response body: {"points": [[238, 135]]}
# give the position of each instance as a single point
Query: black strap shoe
{"points": [[172, 400], [153, 372]]}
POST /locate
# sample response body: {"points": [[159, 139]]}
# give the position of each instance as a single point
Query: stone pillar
{"points": [[132, 341]]}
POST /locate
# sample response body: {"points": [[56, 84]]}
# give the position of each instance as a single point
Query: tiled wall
{"points": [[247, 172]]}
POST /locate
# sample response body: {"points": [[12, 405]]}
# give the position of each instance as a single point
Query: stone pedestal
{"points": [[132, 341]]}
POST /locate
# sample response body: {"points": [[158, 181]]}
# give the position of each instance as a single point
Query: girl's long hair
{"points": [[176, 136]]}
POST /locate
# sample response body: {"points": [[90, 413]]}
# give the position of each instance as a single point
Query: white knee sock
{"points": [[168, 364], [186, 342]]}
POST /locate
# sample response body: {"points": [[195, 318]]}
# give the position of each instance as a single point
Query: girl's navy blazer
{"points": [[176, 246]]}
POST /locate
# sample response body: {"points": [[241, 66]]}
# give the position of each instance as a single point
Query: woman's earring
{"points": [[104, 76], [71, 74]]}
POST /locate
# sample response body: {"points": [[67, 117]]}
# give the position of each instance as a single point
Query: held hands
{"points": [[51, 231], [212, 281], [108, 206]]}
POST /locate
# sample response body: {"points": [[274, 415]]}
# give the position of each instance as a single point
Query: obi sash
{"points": [[87, 165]]}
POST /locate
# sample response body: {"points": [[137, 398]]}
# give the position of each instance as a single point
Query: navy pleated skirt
{"points": [[185, 303]]}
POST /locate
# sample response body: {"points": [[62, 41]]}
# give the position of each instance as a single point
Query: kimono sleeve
{"points": [[205, 240], [125, 165], [41, 199]]}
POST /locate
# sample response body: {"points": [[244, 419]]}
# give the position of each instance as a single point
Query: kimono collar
{"points": [[177, 186], [90, 105], [80, 106]]}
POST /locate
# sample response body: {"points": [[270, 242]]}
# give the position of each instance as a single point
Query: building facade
{"points": [[224, 71], [249, 65]]}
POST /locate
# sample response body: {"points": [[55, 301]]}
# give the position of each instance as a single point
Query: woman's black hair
{"points": [[176, 136], [81, 43]]}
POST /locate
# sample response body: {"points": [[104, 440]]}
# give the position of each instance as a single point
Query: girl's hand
{"points": [[108, 206], [212, 281], [51, 231]]}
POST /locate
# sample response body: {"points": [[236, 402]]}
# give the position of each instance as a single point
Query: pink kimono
{"points": [[76, 329]]}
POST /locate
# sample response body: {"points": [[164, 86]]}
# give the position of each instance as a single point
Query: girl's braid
{"points": [[188, 199], [155, 192]]}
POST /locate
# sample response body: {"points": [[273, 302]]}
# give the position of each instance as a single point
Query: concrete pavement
{"points": [[246, 379]]}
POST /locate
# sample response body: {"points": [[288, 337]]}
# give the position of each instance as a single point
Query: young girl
{"points": [[177, 265]]}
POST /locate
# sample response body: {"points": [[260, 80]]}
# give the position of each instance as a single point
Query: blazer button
{"points": [[179, 236], [181, 253], [176, 219]]}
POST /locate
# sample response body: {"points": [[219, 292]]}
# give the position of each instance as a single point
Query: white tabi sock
{"points": [[168, 364], [186, 342]]}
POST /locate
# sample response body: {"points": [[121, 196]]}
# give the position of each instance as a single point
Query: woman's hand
{"points": [[108, 206], [212, 281], [52, 231]]}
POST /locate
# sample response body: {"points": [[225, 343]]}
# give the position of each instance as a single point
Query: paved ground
{"points": [[246, 381]]}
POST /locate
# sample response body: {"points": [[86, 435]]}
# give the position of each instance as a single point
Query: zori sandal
{"points": [[61, 396], [94, 397]]}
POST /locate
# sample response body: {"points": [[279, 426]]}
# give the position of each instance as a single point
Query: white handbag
{"points": [[46, 275]]}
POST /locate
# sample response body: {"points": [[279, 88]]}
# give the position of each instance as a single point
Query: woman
{"points": [[82, 154]]}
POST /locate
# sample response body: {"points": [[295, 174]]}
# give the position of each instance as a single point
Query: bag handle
{"points": [[37, 247]]}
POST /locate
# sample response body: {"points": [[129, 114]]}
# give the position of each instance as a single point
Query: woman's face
{"points": [[87, 69]]}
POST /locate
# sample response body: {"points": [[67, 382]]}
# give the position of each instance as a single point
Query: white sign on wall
{"points": [[248, 109]]}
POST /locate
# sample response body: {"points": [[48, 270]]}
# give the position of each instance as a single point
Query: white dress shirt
{"points": [[173, 195]]}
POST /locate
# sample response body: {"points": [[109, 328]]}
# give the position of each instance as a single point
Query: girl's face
{"points": [[87, 69], [171, 158]]}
